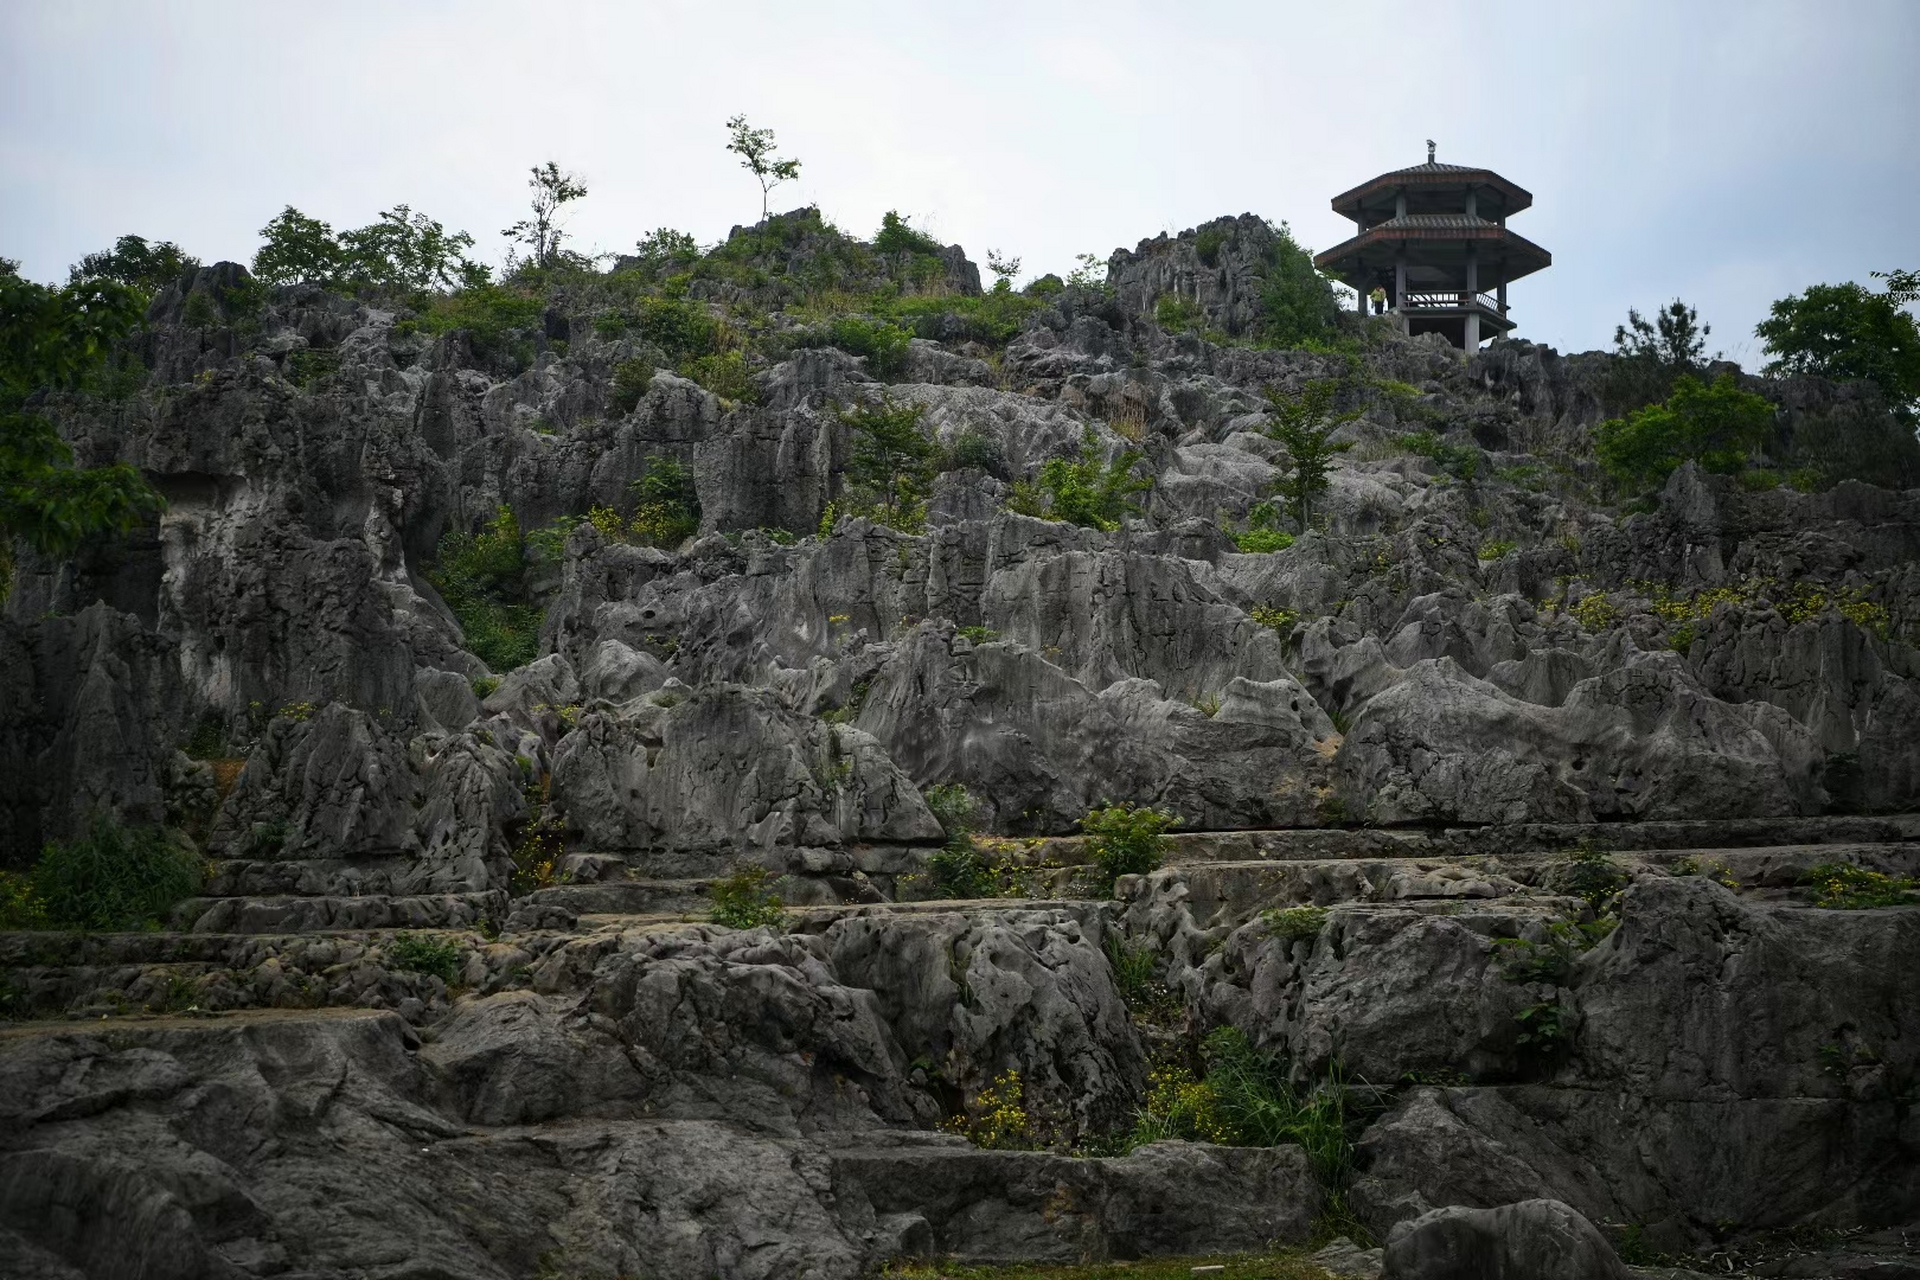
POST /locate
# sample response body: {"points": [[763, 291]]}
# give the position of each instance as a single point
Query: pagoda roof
{"points": [[1435, 232], [1434, 175]]}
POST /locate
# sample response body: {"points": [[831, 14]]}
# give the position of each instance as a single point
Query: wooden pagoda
{"points": [[1433, 241]]}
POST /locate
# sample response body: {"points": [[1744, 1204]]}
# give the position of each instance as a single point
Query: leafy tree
{"points": [[1127, 840], [1716, 425], [1843, 332], [298, 248], [50, 340], [1084, 490], [755, 149], [1297, 303], [1303, 423], [136, 263], [1903, 287], [1004, 268], [666, 247], [541, 233], [896, 236], [892, 460], [408, 250], [402, 250], [1675, 341]]}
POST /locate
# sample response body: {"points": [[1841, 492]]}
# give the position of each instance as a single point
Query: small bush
{"points": [[743, 901], [998, 1118], [1496, 550], [1282, 621], [1263, 541], [1126, 840], [483, 578], [978, 635], [1594, 612], [419, 954], [114, 877], [1845, 887], [668, 510], [725, 373], [1083, 490], [631, 378], [975, 448], [884, 346], [1178, 314], [1291, 924], [1593, 875]]}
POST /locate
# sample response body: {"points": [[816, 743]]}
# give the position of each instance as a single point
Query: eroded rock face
{"points": [[517, 868]]}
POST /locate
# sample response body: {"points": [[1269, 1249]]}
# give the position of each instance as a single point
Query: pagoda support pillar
{"points": [[1472, 333]]}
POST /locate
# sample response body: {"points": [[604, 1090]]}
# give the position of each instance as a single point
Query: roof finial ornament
{"points": [[1429, 150]]}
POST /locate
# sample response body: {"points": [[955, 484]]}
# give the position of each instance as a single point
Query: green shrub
{"points": [[1207, 245], [977, 449], [1496, 550], [1084, 490], [20, 906], [1304, 422], [419, 954], [1126, 840], [668, 510], [483, 578], [1282, 621], [959, 868], [743, 901], [1298, 308], [889, 465], [681, 329], [1593, 875], [114, 877], [1246, 1100], [883, 345], [1263, 541], [1717, 425], [897, 237], [1291, 924], [1460, 461], [978, 635], [1176, 313], [1846, 887], [725, 373], [631, 378]]}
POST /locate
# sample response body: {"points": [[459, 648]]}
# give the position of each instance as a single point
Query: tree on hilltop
{"points": [[552, 188], [755, 149]]}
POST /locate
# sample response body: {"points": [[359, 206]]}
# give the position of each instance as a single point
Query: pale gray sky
{"points": [[1727, 153]]}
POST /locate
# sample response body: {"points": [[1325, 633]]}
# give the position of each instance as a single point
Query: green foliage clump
{"points": [[1084, 490], [1262, 534], [1460, 461], [1845, 887], [402, 250], [666, 250], [726, 374], [54, 340], [420, 954], [494, 318], [683, 330], [631, 378], [1843, 332], [1246, 1100], [1650, 355], [1126, 840], [743, 900], [1292, 924], [958, 868], [1281, 620], [1304, 423], [483, 578], [1178, 314], [890, 464], [136, 263], [997, 1119], [883, 345], [1133, 970], [1593, 875], [111, 877], [896, 236], [668, 511], [1717, 425], [1297, 304]]}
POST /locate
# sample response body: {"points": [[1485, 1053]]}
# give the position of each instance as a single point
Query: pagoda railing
{"points": [[1429, 300]]}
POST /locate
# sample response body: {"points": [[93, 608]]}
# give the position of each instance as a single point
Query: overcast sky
{"points": [[1728, 154]]}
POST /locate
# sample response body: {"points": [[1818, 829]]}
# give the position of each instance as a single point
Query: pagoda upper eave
{"points": [[1378, 246]]}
